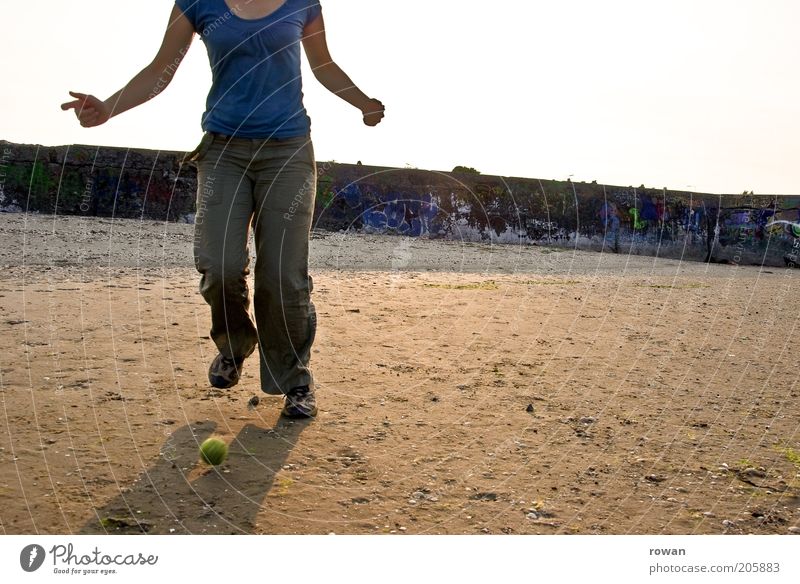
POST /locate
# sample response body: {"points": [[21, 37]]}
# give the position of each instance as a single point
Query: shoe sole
{"points": [[311, 414], [220, 384]]}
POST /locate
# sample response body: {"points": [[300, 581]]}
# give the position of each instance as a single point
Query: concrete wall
{"points": [[752, 229]]}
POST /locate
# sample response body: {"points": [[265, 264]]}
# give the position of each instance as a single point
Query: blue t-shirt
{"points": [[256, 89]]}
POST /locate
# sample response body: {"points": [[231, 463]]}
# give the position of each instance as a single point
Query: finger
{"points": [[78, 95], [70, 105], [78, 105]]}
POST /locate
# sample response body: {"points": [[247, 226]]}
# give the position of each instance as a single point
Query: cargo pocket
{"points": [[198, 153], [311, 158]]}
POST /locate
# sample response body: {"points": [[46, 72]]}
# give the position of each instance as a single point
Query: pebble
{"points": [[254, 401], [654, 478], [795, 530], [588, 420], [708, 514], [728, 523], [529, 409], [484, 497], [532, 515]]}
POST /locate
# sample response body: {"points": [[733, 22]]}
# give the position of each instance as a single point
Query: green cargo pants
{"points": [[271, 185]]}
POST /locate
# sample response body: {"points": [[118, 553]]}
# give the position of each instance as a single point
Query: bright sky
{"points": [[700, 95]]}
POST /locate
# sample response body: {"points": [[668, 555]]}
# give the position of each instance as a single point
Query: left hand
{"points": [[373, 112]]}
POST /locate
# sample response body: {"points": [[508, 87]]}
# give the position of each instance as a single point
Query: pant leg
{"points": [[222, 224], [285, 191]]}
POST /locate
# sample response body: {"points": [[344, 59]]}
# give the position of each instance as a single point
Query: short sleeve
{"points": [[189, 9], [313, 11]]}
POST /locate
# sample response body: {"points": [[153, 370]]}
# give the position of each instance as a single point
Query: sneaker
{"points": [[225, 372], [300, 403]]}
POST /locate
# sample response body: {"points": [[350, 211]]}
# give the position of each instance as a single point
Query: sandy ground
{"points": [[463, 388]]}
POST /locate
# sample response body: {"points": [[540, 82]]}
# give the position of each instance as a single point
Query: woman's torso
{"points": [[254, 53]]}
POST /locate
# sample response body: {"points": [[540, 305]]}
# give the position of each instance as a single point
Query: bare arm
{"points": [[331, 76], [147, 84]]}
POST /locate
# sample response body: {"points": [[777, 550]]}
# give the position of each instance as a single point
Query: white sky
{"points": [[701, 95]]}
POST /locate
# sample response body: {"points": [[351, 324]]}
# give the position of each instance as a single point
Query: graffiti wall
{"points": [[118, 182]]}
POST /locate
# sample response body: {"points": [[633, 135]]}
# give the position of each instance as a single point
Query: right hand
{"points": [[88, 109]]}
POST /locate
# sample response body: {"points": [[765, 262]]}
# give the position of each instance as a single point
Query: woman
{"points": [[255, 166]]}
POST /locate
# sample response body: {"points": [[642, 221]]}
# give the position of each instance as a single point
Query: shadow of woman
{"points": [[179, 494]]}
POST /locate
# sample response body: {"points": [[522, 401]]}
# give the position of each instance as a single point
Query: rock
{"points": [[123, 523], [484, 497], [423, 495], [794, 530], [708, 514], [588, 420], [529, 409], [728, 524], [254, 401], [654, 479]]}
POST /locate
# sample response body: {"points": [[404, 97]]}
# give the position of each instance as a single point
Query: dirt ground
{"points": [[463, 388]]}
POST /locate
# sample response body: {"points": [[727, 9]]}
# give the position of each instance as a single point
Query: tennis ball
{"points": [[213, 451]]}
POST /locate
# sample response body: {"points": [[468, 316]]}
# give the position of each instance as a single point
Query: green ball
{"points": [[213, 451]]}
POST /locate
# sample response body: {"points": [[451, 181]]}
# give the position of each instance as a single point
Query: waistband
{"points": [[227, 138]]}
